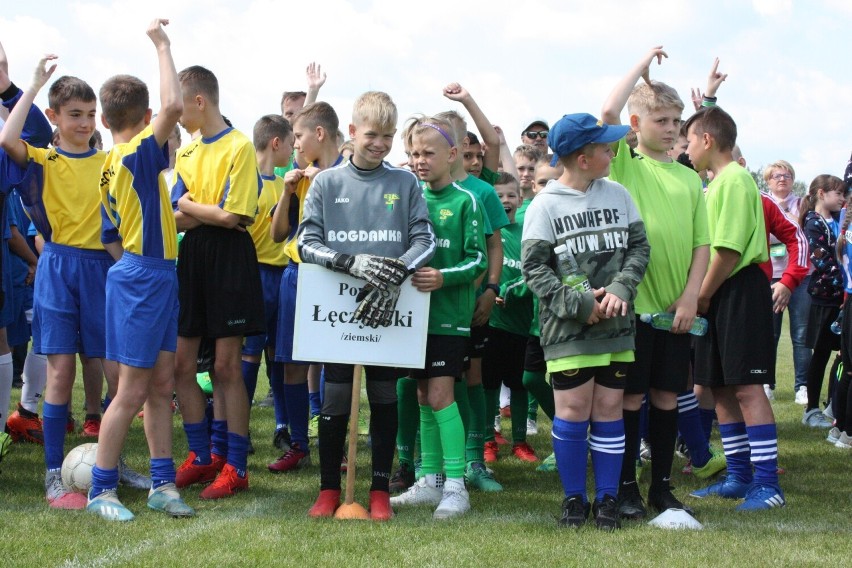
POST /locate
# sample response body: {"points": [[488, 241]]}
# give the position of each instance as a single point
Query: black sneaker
{"points": [[574, 512], [281, 440], [606, 514], [630, 504], [662, 499], [402, 479]]}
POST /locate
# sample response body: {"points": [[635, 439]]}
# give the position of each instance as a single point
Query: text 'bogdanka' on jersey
{"points": [[135, 198], [379, 211], [60, 193], [268, 251], [220, 170]]}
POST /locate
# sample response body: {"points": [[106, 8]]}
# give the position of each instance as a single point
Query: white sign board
{"points": [[326, 332]]}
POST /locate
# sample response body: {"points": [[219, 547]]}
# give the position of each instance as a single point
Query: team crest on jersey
{"points": [[390, 200], [444, 213]]}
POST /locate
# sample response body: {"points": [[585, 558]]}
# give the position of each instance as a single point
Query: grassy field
{"points": [[268, 525]]}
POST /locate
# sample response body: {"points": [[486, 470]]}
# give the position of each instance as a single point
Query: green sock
{"points": [[536, 384], [492, 401], [408, 411], [430, 442], [519, 402], [452, 439], [532, 408], [460, 396], [475, 446]]}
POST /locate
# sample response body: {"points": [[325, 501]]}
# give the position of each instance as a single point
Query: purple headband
{"points": [[441, 131]]}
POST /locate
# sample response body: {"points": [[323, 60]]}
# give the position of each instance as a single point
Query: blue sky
{"points": [[789, 86]]}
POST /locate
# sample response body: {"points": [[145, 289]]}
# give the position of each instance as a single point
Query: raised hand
{"points": [[715, 79], [655, 53], [456, 92], [42, 72], [315, 76], [157, 33]]}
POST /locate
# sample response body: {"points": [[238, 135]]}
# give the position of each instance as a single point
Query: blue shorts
{"points": [[270, 281], [18, 331], [7, 311], [69, 304], [141, 309], [287, 315]]}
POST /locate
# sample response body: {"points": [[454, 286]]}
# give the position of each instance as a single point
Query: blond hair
{"points": [[645, 98], [779, 165], [376, 109], [457, 124], [426, 124]]}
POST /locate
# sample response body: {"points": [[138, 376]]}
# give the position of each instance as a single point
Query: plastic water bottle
{"points": [[570, 271], [664, 321], [837, 325]]}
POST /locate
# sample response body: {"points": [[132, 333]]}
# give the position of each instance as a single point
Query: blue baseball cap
{"points": [[573, 131]]}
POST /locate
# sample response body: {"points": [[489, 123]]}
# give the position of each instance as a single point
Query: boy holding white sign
{"points": [[367, 219], [459, 259]]}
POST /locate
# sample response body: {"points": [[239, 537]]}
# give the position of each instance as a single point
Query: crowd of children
{"points": [[538, 261]]}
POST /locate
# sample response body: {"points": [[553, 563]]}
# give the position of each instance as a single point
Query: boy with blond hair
{"points": [[141, 289], [216, 176], [62, 198], [365, 195], [670, 200]]}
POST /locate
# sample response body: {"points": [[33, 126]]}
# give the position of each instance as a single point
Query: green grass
{"points": [[268, 525]]}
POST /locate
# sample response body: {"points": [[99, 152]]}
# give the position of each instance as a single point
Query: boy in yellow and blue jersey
{"points": [[141, 312], [273, 142], [216, 176], [61, 196]]}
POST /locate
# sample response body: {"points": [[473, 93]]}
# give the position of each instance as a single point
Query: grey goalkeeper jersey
{"points": [[380, 212]]}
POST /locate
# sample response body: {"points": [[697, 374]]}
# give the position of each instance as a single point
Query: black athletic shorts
{"points": [[342, 373], [503, 360], [739, 348], [219, 284], [612, 376], [819, 331], [534, 356], [445, 357], [662, 360], [478, 339]]}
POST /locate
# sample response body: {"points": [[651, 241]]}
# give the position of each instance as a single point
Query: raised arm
{"points": [[507, 158], [316, 79], [10, 135], [488, 134], [611, 111], [171, 101]]}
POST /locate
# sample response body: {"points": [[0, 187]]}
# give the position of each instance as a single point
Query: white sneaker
{"points": [[833, 435], [802, 395], [844, 442], [498, 427], [454, 502], [829, 412], [815, 419], [418, 494], [532, 427], [770, 394]]}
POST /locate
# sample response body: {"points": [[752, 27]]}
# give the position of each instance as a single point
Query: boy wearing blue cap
{"points": [[584, 253]]}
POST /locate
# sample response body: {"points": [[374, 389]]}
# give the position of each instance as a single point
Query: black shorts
{"points": [[662, 361], [819, 332], [613, 376], [478, 339], [739, 348], [503, 361], [445, 357], [219, 284], [534, 356], [846, 337], [342, 373]]}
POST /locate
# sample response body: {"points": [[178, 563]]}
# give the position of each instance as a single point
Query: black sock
{"points": [[332, 435], [662, 433], [816, 371], [383, 425], [631, 446]]}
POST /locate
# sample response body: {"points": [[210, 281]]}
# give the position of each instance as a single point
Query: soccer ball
{"points": [[77, 468]]}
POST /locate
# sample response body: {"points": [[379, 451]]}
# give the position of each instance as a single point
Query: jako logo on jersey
{"points": [[390, 200], [443, 243], [341, 200], [365, 236], [445, 213], [439, 363]]}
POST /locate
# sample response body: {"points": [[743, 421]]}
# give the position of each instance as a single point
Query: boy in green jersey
{"points": [[450, 276]]}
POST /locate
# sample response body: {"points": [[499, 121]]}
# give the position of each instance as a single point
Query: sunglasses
{"points": [[532, 134], [779, 177]]}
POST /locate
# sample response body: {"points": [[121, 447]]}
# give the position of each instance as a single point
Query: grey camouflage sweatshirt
{"points": [[352, 211], [604, 231]]}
